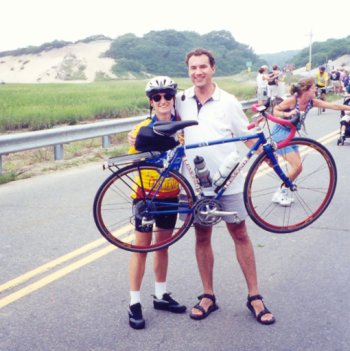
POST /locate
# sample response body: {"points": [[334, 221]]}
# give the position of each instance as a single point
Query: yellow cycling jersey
{"points": [[148, 178], [321, 80]]}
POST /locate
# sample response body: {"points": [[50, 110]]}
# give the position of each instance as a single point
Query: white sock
{"points": [[135, 297], [160, 289]]}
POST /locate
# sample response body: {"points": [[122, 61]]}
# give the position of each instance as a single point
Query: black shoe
{"points": [[168, 304], [136, 320]]}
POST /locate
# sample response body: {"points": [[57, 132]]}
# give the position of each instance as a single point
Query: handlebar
{"points": [[292, 123]]}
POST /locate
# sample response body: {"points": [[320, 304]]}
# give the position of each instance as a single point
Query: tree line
{"points": [[164, 51], [159, 52]]}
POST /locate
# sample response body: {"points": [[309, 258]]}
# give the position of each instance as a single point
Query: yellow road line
{"points": [[54, 276], [52, 264], [61, 272]]}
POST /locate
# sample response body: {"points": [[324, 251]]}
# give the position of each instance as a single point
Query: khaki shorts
{"points": [[230, 203]]}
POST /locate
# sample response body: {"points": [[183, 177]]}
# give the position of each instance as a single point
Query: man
{"points": [[322, 81], [219, 115], [273, 82], [336, 82]]}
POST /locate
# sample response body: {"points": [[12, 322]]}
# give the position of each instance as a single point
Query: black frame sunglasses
{"points": [[158, 97]]}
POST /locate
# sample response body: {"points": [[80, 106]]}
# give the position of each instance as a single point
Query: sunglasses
{"points": [[158, 97]]}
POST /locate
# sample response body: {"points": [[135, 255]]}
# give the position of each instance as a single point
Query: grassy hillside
{"points": [[40, 106]]}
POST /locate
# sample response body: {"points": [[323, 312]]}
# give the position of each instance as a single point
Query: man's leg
{"points": [[246, 259], [205, 262]]}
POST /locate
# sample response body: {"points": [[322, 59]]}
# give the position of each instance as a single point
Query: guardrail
{"points": [[57, 137]]}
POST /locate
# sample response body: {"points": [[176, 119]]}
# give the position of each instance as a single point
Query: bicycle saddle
{"points": [[166, 128]]}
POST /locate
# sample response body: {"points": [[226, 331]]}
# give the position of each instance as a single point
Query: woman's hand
{"points": [[131, 138]]}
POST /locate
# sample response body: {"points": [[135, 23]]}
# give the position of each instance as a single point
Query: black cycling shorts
{"points": [[323, 89], [163, 221]]}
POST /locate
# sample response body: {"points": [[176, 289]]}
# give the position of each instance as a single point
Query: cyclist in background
{"points": [[302, 100], [321, 82], [161, 93]]}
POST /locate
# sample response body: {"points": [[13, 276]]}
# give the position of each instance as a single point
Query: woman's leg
{"points": [[161, 259], [137, 262]]}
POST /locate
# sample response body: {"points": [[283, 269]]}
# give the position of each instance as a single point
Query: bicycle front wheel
{"points": [[115, 209], [315, 188]]}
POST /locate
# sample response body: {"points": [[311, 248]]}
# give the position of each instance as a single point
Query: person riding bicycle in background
{"points": [[321, 81], [161, 93], [302, 100], [220, 115]]}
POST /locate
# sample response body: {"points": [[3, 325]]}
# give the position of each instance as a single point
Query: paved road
{"points": [[62, 287]]}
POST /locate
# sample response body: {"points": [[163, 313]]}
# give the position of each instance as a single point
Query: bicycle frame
{"points": [[176, 156]]}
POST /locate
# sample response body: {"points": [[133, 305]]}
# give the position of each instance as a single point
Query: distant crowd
{"points": [[271, 83]]}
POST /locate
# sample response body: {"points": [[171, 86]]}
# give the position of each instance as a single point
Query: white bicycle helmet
{"points": [[161, 84]]}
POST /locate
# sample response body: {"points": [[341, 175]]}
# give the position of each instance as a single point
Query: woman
{"points": [[302, 100], [261, 83], [161, 93]]}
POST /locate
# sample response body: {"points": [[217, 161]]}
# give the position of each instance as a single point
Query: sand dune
{"points": [[73, 63]]}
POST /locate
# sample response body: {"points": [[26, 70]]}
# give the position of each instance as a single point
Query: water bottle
{"points": [[226, 168], [202, 172]]}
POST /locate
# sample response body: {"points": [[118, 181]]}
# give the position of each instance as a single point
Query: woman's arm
{"points": [[330, 105], [288, 104]]}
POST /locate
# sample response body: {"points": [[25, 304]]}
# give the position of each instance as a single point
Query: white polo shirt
{"points": [[220, 117]]}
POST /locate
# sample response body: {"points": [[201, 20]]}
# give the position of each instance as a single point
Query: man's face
{"points": [[200, 71]]}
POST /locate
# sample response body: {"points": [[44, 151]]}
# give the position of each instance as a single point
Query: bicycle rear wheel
{"points": [[315, 188], [115, 215]]}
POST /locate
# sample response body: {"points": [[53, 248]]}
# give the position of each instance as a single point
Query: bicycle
{"points": [[321, 95], [312, 190]]}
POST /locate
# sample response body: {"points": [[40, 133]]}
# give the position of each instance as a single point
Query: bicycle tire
{"points": [[316, 185], [113, 209]]}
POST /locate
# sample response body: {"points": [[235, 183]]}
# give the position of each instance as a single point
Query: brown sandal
{"points": [[205, 313], [262, 313]]}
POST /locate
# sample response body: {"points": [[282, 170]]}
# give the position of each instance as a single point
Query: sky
{"points": [[267, 26]]}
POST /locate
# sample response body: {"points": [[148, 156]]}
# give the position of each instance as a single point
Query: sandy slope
{"points": [[54, 66]]}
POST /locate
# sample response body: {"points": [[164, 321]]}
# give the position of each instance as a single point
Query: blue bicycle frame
{"points": [[172, 161]]}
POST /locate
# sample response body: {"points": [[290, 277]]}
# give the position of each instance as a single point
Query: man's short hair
{"points": [[199, 52]]}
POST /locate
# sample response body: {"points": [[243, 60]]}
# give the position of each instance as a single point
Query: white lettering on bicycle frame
{"points": [[197, 186], [236, 172]]}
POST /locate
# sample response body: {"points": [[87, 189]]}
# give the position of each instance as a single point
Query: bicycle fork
{"points": [[277, 168]]}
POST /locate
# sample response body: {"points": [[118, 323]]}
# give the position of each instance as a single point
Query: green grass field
{"points": [[41, 106]]}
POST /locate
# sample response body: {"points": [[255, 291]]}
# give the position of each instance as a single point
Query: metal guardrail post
{"points": [[106, 141], [0, 165], [58, 152]]}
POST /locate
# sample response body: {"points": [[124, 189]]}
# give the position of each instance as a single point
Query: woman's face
{"points": [[162, 103], [311, 93]]}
